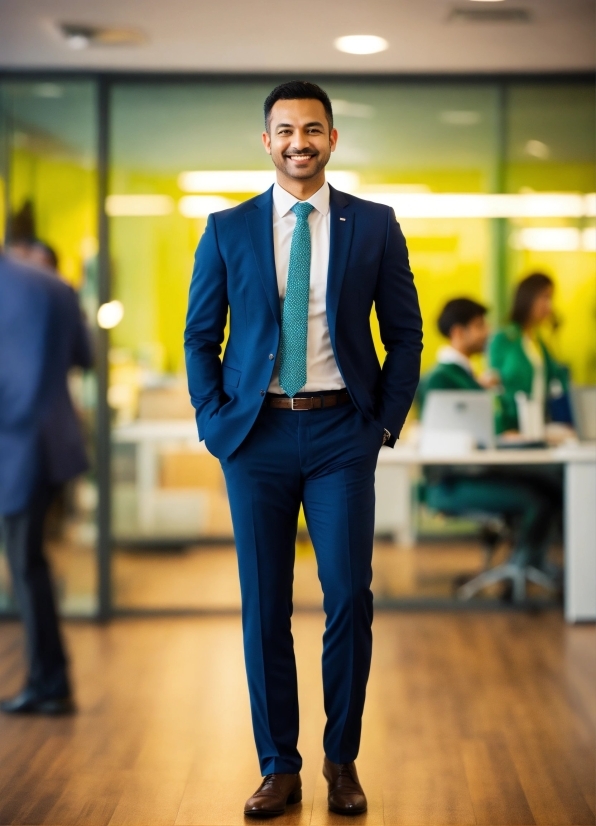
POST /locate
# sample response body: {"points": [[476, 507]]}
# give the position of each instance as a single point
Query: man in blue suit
{"points": [[42, 335], [296, 413]]}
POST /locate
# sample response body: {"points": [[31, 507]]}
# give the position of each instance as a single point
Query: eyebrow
{"points": [[291, 125]]}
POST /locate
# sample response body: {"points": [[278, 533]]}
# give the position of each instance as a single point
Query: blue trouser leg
{"points": [[325, 459], [263, 482]]}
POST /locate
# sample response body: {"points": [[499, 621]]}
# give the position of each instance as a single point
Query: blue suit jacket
{"points": [[235, 270], [42, 335]]}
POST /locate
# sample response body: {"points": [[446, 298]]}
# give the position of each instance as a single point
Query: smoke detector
{"points": [[83, 35]]}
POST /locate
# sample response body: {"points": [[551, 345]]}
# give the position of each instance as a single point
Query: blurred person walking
{"points": [[42, 335], [297, 413]]}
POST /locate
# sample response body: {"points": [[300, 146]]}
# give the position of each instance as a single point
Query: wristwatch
{"points": [[386, 435]]}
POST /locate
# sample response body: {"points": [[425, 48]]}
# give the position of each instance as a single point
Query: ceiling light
{"points": [[48, 90], [252, 180], [486, 1], [471, 205], [138, 205], [537, 149], [348, 109], [200, 206], [110, 314], [460, 117], [361, 44], [226, 180]]}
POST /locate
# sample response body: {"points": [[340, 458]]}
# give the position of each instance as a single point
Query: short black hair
{"points": [[526, 293], [298, 90], [459, 311]]}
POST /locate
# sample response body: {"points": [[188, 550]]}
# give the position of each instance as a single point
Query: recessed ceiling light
{"points": [[361, 44]]}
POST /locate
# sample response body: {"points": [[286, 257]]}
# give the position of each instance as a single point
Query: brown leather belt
{"points": [[307, 402]]}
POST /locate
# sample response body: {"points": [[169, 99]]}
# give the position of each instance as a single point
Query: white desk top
{"points": [[409, 455]]}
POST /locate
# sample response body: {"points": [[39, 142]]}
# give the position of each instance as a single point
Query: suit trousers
{"points": [[23, 533], [325, 460]]}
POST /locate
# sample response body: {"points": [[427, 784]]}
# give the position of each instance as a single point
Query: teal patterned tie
{"points": [[294, 323]]}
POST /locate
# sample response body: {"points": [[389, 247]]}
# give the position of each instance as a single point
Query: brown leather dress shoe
{"points": [[345, 792], [273, 795]]}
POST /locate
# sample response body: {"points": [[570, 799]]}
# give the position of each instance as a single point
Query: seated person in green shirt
{"points": [[530, 503], [522, 359]]}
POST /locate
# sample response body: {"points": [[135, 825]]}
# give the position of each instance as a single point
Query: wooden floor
{"points": [[470, 719]]}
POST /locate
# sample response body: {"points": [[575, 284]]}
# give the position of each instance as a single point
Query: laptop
{"points": [[464, 418]]}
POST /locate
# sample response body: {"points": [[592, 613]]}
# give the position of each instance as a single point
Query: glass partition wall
{"points": [[49, 188], [440, 152]]}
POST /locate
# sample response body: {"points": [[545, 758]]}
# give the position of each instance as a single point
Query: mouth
{"points": [[300, 158]]}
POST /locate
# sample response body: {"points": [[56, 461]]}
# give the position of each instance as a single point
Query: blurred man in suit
{"points": [[42, 335]]}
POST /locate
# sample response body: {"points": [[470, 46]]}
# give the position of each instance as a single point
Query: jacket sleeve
{"points": [[400, 323], [205, 327]]}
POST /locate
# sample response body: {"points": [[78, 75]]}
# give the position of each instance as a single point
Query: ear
{"points": [[266, 138], [333, 139]]}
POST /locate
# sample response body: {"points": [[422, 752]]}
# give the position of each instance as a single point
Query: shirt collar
{"points": [[284, 201], [449, 355]]}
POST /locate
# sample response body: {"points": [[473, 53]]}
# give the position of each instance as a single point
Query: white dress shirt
{"points": [[322, 372], [449, 355]]}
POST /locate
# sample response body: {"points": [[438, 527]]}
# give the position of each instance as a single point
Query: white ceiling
{"points": [[297, 37]]}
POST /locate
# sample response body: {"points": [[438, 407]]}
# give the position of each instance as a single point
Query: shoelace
{"points": [[346, 780]]}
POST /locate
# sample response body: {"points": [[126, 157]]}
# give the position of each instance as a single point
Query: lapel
{"points": [[341, 229], [260, 227]]}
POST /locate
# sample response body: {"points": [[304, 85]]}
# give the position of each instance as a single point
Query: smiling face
{"points": [[300, 143]]}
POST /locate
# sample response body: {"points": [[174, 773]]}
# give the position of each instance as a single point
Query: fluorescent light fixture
{"points": [[109, 315], [460, 117], [547, 239], [252, 180], [48, 90], [200, 206], [537, 149], [361, 44], [138, 205], [226, 180], [467, 205], [555, 239], [589, 239], [349, 109]]}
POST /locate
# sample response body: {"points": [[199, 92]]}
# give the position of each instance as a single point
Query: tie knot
{"points": [[302, 209]]}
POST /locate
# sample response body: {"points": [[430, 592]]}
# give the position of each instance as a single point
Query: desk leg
{"points": [[146, 482], [580, 542], [393, 513]]}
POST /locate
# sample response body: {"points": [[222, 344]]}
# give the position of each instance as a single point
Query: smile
{"points": [[300, 157]]}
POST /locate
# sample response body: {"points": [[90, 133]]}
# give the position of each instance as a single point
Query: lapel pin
{"points": [[342, 219]]}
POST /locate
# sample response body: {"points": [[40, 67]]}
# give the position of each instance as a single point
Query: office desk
{"points": [[396, 471], [397, 467]]}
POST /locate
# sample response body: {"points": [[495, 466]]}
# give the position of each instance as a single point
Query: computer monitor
{"points": [[583, 405], [461, 411]]}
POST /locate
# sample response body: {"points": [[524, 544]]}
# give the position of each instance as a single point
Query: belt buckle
{"points": [[292, 403]]}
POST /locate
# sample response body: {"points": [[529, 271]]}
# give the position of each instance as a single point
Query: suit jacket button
{"points": [[271, 356], [262, 392]]}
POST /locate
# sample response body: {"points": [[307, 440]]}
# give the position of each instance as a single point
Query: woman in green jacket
{"points": [[520, 356]]}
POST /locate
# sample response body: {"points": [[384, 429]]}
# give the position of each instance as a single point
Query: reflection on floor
{"points": [[478, 718]]}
